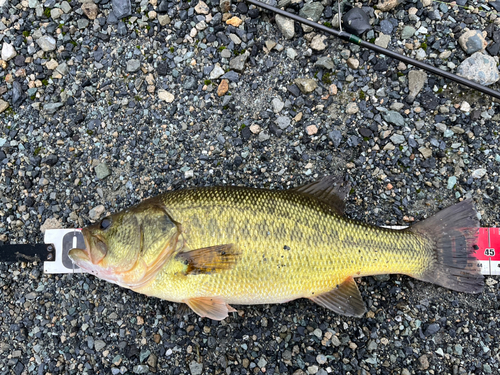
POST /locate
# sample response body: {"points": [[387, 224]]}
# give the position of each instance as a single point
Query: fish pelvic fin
{"points": [[209, 259], [331, 190], [210, 307], [452, 233], [345, 299]]}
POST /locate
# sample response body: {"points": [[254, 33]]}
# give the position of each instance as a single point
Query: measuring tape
{"points": [[63, 240], [488, 253]]}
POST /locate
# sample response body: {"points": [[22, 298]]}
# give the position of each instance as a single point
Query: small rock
{"points": [[133, 65], [416, 82], [408, 32], [395, 118], [386, 5], [478, 173], [202, 8], [8, 52], [234, 21], [353, 63], [383, 40], [238, 63], [55, 13], [277, 105], [165, 96], [164, 19], [263, 136], [440, 352], [318, 42], [65, 7], [90, 9], [141, 369], [291, 53], [398, 139], [283, 122], [255, 129], [386, 27], [46, 43], [465, 106], [312, 11], [306, 85], [82, 23], [480, 68], [50, 223], [99, 344], [452, 181], [321, 359], [3, 105], [195, 368], [325, 62], [51, 108], [225, 5], [426, 152], [223, 87], [473, 41], [332, 90], [216, 72], [352, 108], [286, 26], [102, 171], [356, 21], [270, 44], [51, 64], [121, 8], [389, 146], [311, 129], [190, 83], [423, 362]]}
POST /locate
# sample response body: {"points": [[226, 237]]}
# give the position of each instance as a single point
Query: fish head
{"points": [[128, 248]]}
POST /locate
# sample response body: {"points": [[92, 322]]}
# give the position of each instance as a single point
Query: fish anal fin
{"points": [[331, 190], [209, 259], [344, 299], [209, 307]]}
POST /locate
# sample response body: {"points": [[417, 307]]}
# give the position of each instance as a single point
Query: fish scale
{"points": [[214, 246]]}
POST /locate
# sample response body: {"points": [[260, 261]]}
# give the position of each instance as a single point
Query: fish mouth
{"points": [[94, 251]]}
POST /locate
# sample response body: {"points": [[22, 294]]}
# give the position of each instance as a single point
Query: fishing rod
{"points": [[384, 51]]}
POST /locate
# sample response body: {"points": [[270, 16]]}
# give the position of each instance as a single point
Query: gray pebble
{"points": [[102, 171], [133, 65]]}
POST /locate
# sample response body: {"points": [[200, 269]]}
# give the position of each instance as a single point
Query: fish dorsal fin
{"points": [[209, 307], [331, 190], [345, 299], [209, 259]]}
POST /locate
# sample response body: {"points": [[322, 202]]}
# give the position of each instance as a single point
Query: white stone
{"points": [[166, 96], [216, 72], [8, 52], [352, 108]]}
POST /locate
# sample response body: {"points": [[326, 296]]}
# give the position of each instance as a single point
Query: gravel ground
{"points": [[104, 112]]}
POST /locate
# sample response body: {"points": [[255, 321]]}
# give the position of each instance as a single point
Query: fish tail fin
{"points": [[453, 233]]}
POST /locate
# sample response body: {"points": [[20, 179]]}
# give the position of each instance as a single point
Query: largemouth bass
{"points": [[216, 246]]}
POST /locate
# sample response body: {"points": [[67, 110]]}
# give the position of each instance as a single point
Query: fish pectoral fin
{"points": [[331, 190], [209, 259], [209, 307], [345, 299]]}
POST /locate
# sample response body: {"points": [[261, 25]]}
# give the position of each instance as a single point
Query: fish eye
{"points": [[105, 223]]}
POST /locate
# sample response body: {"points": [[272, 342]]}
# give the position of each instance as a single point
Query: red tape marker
{"points": [[488, 253]]}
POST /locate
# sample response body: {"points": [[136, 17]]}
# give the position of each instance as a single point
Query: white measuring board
{"points": [[488, 252]]}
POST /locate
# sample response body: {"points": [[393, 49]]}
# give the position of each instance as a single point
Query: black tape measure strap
{"points": [[24, 253]]}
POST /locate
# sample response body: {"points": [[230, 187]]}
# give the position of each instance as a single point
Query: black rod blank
{"points": [[355, 39]]}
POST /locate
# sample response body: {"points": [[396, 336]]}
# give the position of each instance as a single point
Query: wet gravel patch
{"points": [[99, 112]]}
